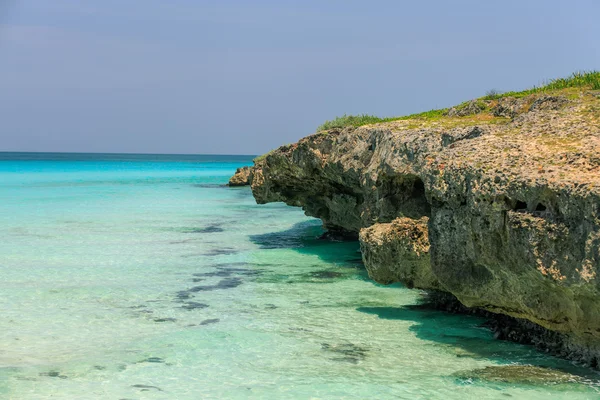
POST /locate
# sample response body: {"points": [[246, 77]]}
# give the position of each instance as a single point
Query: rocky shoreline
{"points": [[496, 203]]}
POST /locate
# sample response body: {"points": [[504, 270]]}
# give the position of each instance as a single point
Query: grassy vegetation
{"points": [[584, 79], [261, 157], [365, 119], [589, 80]]}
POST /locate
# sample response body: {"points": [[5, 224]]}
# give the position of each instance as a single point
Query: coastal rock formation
{"points": [[507, 197], [242, 177], [399, 252]]}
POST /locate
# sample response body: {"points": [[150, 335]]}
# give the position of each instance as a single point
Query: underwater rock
{"points": [[520, 375], [209, 321], [192, 305], [143, 387]]}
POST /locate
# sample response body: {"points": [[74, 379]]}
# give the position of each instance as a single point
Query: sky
{"points": [[244, 77]]}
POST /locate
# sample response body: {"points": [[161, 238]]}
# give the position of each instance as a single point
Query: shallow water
{"points": [[142, 277]]}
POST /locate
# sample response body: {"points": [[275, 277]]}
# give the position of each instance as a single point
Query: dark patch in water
{"points": [[165, 320], [183, 295], [348, 352], [216, 273], [99, 367], [209, 321], [53, 374], [214, 228], [196, 280], [277, 240], [270, 306], [184, 241], [352, 360], [147, 387], [221, 252], [239, 263], [228, 271], [227, 283], [192, 305], [153, 360], [356, 261], [326, 274], [241, 271]]}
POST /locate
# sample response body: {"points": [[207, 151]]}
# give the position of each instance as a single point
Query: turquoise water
{"points": [[142, 277]]}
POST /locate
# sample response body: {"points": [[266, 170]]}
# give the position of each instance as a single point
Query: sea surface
{"points": [[144, 277]]}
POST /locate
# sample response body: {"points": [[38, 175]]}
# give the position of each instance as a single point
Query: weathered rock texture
{"points": [[242, 177], [405, 239], [511, 197]]}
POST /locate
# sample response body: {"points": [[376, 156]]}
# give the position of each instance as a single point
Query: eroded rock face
{"points": [[513, 206], [399, 252], [242, 177]]}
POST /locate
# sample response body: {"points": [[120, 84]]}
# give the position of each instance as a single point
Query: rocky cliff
{"points": [[496, 202]]}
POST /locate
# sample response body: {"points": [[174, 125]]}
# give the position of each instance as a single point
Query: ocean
{"points": [[145, 277]]}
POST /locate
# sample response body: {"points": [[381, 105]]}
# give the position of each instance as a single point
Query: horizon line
{"points": [[122, 153]]}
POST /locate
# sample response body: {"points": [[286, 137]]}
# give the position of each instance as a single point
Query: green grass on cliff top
{"points": [[586, 79]]}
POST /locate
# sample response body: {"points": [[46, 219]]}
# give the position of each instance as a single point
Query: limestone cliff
{"points": [[496, 202]]}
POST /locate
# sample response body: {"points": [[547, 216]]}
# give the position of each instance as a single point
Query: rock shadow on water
{"points": [[305, 238], [463, 335]]}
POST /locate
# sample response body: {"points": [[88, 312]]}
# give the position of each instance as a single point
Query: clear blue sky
{"points": [[242, 77]]}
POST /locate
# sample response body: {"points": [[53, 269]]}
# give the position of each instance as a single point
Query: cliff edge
{"points": [[496, 201]]}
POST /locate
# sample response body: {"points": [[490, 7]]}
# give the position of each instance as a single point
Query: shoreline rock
{"points": [[242, 177], [512, 206]]}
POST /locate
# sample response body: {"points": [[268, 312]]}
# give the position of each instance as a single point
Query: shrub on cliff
{"points": [[351, 120]]}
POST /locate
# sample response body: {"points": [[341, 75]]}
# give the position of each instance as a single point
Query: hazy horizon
{"points": [[117, 153], [234, 77]]}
